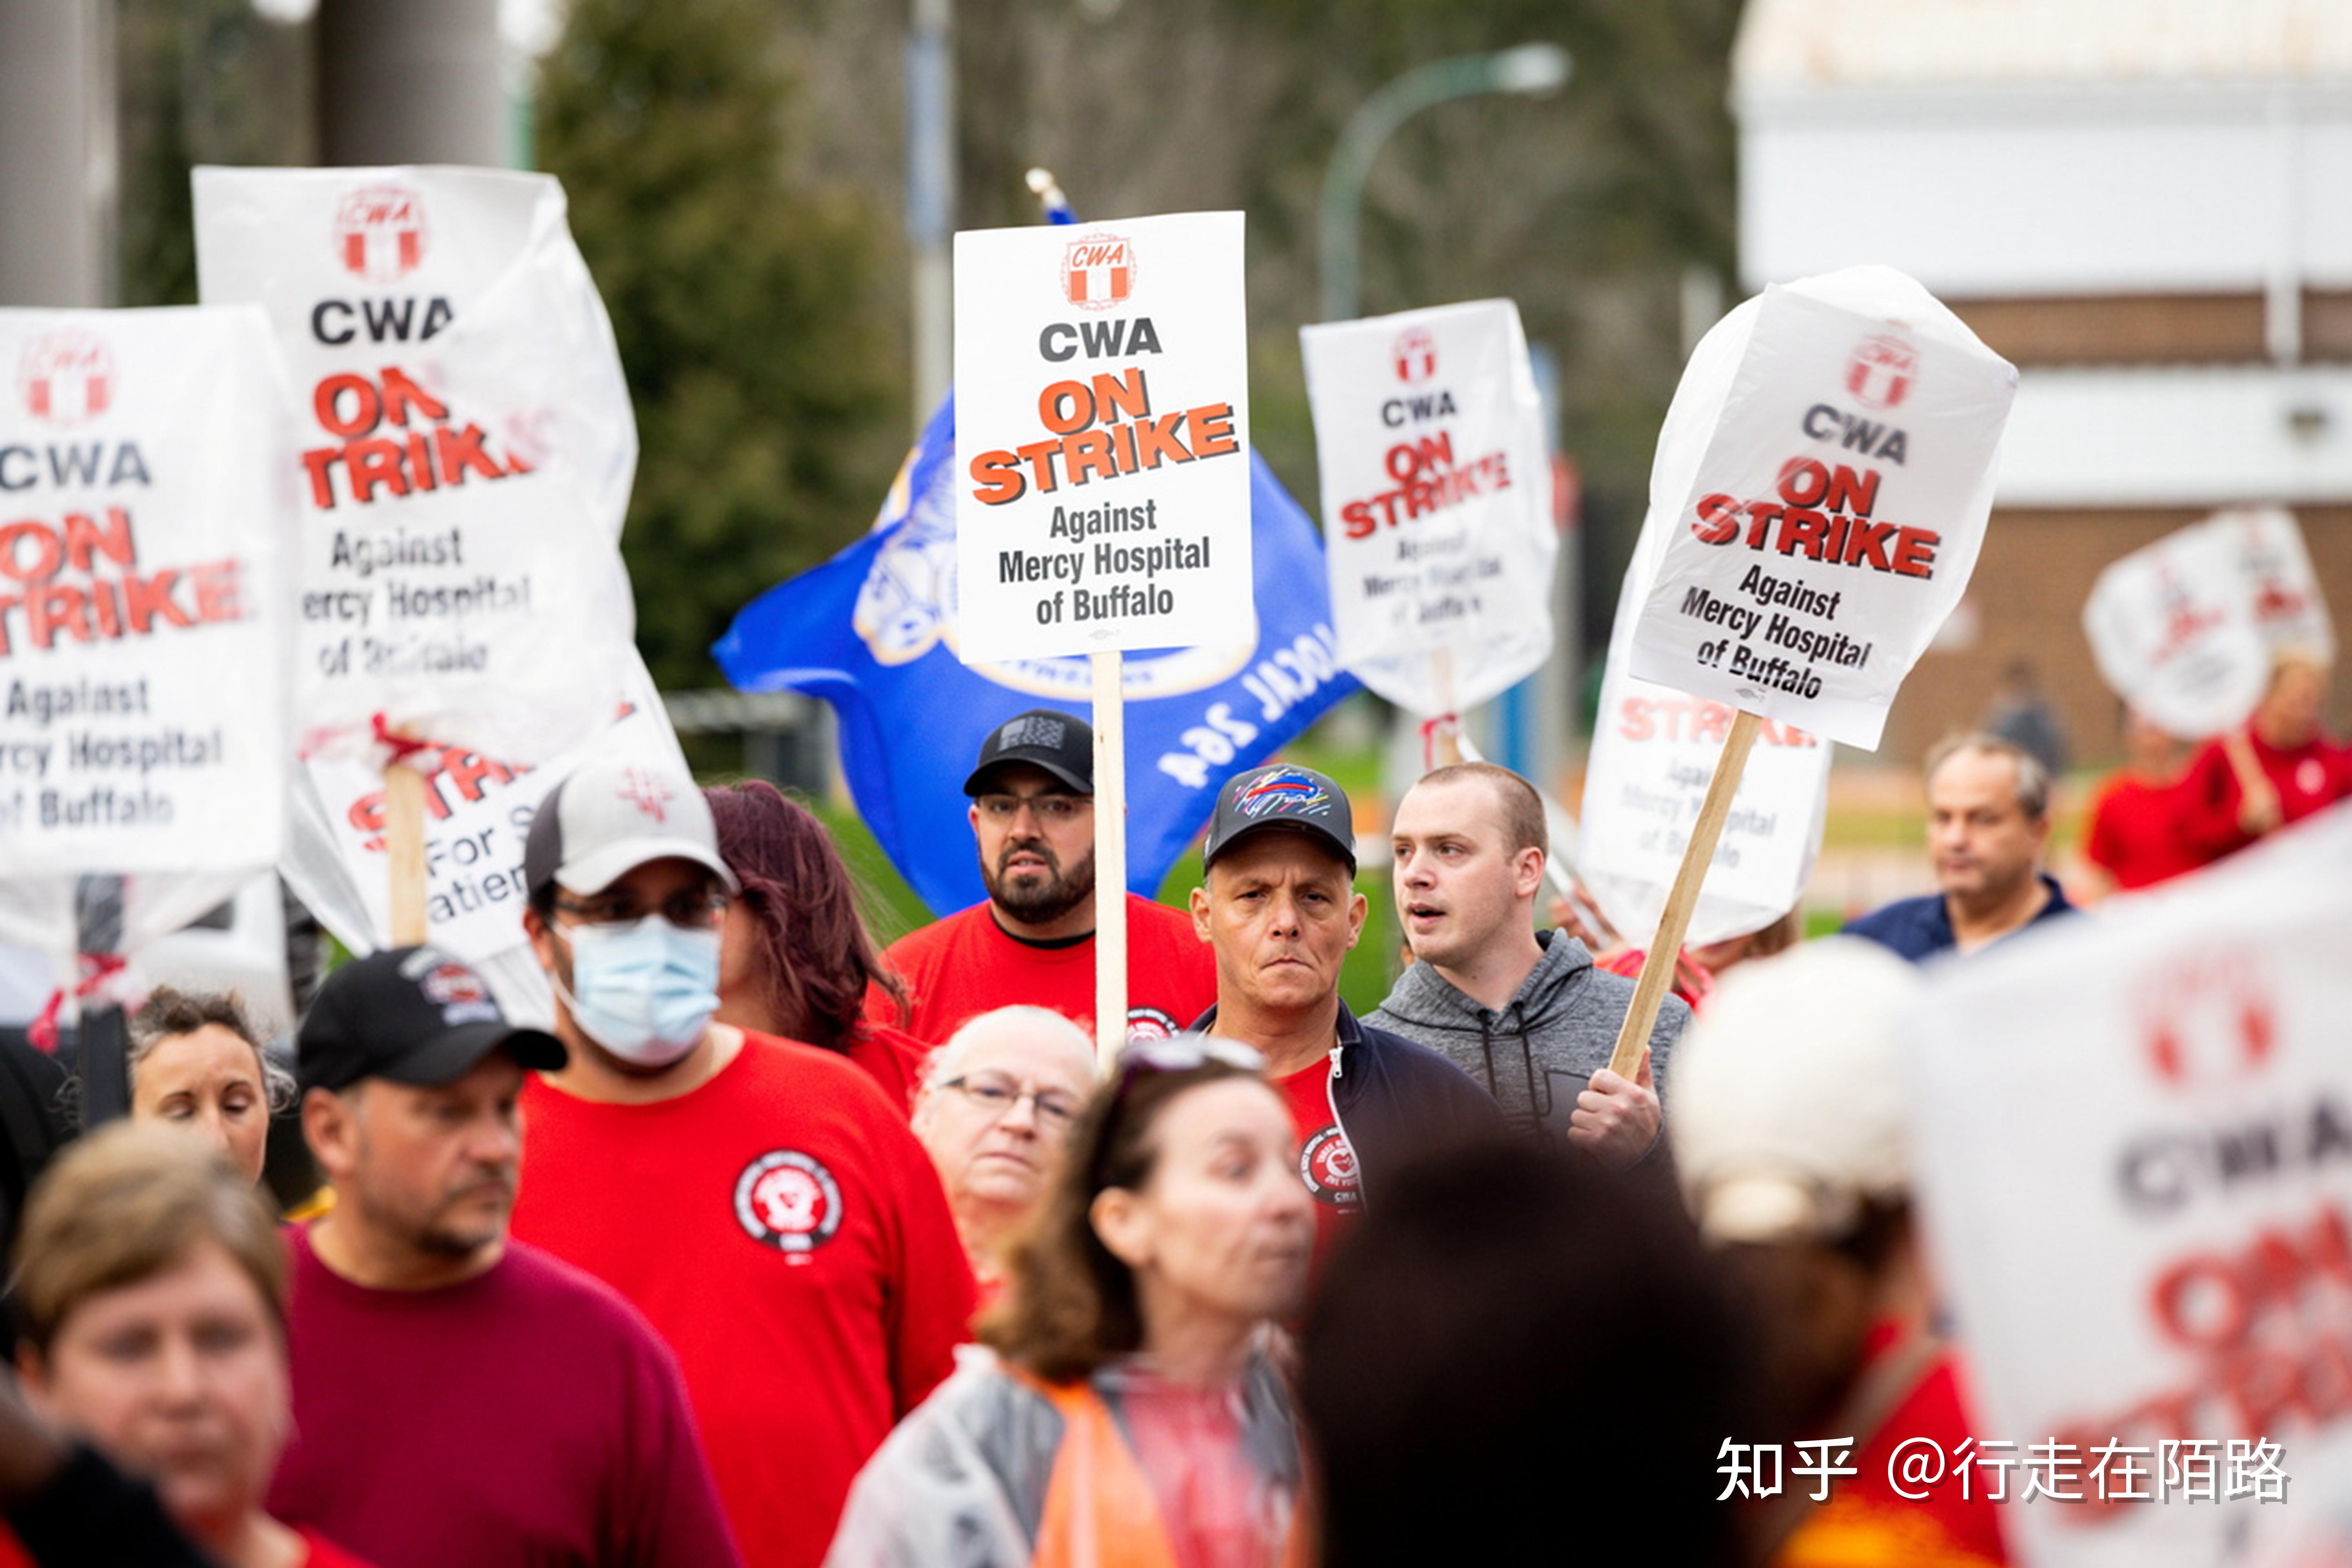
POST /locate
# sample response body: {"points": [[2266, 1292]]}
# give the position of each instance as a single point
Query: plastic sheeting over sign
{"points": [[144, 615], [1848, 427], [467, 448]]}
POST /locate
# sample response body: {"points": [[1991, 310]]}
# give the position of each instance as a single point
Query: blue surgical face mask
{"points": [[643, 991]]}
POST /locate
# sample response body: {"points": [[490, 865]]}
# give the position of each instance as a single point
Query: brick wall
{"points": [[2027, 600]]}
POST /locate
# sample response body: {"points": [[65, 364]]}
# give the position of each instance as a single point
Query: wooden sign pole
{"points": [[404, 843], [1110, 858], [1658, 963]]}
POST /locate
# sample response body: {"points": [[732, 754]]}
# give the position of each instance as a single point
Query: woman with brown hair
{"points": [[795, 959], [1129, 1415], [196, 1061], [151, 1298]]}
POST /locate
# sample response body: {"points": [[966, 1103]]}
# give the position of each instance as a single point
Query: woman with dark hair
{"points": [[197, 1061], [1128, 1412], [794, 956]]}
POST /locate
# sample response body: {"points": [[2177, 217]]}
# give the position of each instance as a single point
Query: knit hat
{"points": [[1789, 1104]]}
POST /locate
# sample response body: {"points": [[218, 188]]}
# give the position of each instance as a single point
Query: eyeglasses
{"points": [[1051, 807], [687, 911], [997, 1095]]}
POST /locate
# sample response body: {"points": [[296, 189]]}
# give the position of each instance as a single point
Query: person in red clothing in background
{"points": [[2281, 768], [758, 1199], [2135, 837], [1789, 1137], [794, 958], [1033, 941], [462, 1400]]}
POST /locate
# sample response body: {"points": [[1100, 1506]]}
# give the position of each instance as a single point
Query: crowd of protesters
{"points": [[783, 1250]]}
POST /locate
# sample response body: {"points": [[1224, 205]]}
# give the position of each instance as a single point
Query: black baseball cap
{"points": [[1061, 743], [1299, 800], [412, 1014]]}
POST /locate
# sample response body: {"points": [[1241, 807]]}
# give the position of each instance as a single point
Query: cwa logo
{"points": [[1881, 371], [379, 233], [2207, 1019], [1098, 272], [66, 377], [1415, 353]]}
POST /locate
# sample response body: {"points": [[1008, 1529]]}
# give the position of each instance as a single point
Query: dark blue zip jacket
{"points": [[1396, 1099]]}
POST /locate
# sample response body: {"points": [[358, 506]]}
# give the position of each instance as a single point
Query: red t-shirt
{"points": [[893, 1058], [2136, 832], [788, 1237], [2308, 779], [1865, 1521], [525, 1415], [1326, 1164], [965, 965]]}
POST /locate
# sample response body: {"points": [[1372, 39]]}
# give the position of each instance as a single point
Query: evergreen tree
{"points": [[765, 381]]}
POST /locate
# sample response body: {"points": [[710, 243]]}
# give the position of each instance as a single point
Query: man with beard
{"points": [[1033, 942], [758, 1199]]}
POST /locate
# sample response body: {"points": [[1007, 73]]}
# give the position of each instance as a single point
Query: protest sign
{"points": [[1654, 752], [1437, 517], [1817, 502], [1102, 440], [2146, 1253], [467, 451], [1102, 433], [143, 592], [477, 812], [873, 632], [2290, 611], [1835, 513], [2171, 627]]}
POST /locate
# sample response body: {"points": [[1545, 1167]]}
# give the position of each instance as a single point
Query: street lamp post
{"points": [[1532, 70]]}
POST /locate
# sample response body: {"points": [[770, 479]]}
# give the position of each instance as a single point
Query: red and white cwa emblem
{"points": [[2207, 1020], [1416, 355], [1881, 371], [379, 233], [66, 377], [647, 792], [1098, 272], [788, 1201]]}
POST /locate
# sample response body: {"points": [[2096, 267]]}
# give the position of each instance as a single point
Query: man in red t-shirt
{"points": [[2285, 768], [2135, 836], [1033, 942], [759, 1200]]}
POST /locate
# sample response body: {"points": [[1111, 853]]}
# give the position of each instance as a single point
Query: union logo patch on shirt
{"points": [[788, 1201], [1326, 1164]]}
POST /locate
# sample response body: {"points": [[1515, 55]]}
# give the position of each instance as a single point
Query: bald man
{"points": [[995, 1111]]}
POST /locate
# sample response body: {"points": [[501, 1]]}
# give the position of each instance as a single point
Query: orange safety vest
{"points": [[1099, 1509]]}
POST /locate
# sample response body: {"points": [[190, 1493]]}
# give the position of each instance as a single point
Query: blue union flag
{"points": [[873, 632]]}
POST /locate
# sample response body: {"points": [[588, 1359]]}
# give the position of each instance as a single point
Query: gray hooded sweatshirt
{"points": [[1534, 1054]]}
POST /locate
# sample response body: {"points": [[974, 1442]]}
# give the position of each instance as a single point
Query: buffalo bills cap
{"points": [[1296, 799], [1061, 743], [412, 1014], [612, 815]]}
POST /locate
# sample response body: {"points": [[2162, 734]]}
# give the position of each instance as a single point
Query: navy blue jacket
{"points": [[1396, 1099], [1922, 927]]}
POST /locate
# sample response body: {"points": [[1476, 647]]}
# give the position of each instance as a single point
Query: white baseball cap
{"points": [[1790, 1105], [612, 815]]}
